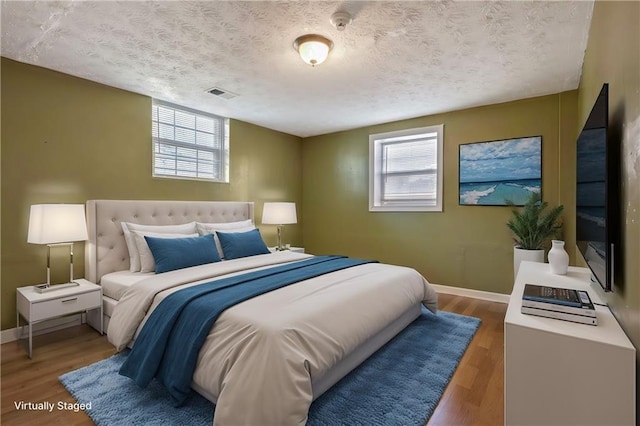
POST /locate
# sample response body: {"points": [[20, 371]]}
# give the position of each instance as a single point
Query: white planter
{"points": [[521, 254]]}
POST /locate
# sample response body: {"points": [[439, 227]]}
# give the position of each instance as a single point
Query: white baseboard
{"points": [[11, 335], [474, 294]]}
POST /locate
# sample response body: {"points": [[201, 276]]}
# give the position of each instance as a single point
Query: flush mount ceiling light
{"points": [[313, 48]]}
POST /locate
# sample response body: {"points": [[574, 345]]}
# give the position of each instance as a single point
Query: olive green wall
{"points": [[67, 140], [613, 56], [464, 246]]}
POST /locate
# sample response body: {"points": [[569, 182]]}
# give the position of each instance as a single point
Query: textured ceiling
{"points": [[395, 60]]}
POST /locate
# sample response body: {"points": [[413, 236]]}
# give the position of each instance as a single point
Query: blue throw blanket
{"points": [[168, 345]]}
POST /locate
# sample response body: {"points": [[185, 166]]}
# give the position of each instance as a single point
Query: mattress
{"points": [[108, 305], [115, 284]]}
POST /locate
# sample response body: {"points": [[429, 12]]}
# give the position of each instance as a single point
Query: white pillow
{"points": [[210, 228], [127, 227], [147, 263], [230, 227]]}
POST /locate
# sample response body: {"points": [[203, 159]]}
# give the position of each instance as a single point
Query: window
{"points": [[189, 144], [405, 170]]}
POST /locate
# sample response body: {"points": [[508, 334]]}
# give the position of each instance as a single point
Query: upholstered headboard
{"points": [[106, 250]]}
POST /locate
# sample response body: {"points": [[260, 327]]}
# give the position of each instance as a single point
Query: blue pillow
{"points": [[242, 244], [177, 253]]}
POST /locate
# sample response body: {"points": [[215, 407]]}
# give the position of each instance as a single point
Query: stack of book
{"points": [[559, 303]]}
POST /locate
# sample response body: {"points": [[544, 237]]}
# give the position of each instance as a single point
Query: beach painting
{"points": [[493, 173]]}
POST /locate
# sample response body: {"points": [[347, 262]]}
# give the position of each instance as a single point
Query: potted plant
{"points": [[532, 227]]}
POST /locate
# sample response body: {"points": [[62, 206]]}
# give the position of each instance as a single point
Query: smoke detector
{"points": [[340, 20]]}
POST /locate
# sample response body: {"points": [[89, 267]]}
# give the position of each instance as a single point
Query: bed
{"points": [[265, 359]]}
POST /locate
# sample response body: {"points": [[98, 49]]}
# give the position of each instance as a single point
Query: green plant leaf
{"points": [[533, 225]]}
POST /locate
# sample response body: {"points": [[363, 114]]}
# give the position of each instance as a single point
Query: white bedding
{"points": [[262, 355], [115, 284]]}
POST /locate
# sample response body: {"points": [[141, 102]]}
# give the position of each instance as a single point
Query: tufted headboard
{"points": [[106, 250]]}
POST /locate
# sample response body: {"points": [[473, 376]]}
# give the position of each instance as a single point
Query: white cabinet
{"points": [[293, 249], [35, 307], [563, 373]]}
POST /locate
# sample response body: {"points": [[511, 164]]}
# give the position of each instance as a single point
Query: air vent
{"points": [[221, 93]]}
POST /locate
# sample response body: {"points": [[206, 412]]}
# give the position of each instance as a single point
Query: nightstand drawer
{"points": [[64, 305]]}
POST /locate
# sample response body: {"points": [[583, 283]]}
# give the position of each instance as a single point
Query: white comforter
{"points": [[261, 355]]}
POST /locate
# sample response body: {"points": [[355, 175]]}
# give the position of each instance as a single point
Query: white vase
{"points": [[520, 254], [558, 258]]}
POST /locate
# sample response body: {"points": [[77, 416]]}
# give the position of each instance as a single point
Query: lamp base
{"points": [[44, 288]]}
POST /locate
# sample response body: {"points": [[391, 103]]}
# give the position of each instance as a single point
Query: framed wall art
{"points": [[496, 172]]}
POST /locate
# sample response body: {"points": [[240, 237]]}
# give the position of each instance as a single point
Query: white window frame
{"points": [[377, 174], [223, 150]]}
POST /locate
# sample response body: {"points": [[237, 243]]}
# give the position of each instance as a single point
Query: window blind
{"points": [[410, 170], [188, 143], [406, 170]]}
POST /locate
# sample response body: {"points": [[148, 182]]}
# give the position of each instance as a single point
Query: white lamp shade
{"points": [[57, 223], [279, 213]]}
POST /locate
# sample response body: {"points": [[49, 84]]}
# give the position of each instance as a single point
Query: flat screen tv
{"points": [[597, 199]]}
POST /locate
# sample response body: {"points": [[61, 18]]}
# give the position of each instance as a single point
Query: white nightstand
{"points": [[36, 307], [293, 249]]}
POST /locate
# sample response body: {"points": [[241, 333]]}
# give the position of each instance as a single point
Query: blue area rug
{"points": [[400, 384]]}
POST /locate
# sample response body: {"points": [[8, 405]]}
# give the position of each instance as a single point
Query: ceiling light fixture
{"points": [[313, 48]]}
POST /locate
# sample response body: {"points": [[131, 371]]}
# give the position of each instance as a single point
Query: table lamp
{"points": [[57, 225], [279, 214]]}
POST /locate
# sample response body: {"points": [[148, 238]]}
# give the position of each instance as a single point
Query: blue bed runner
{"points": [[168, 345]]}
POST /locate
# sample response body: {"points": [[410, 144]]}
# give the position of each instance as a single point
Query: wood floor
{"points": [[474, 396]]}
